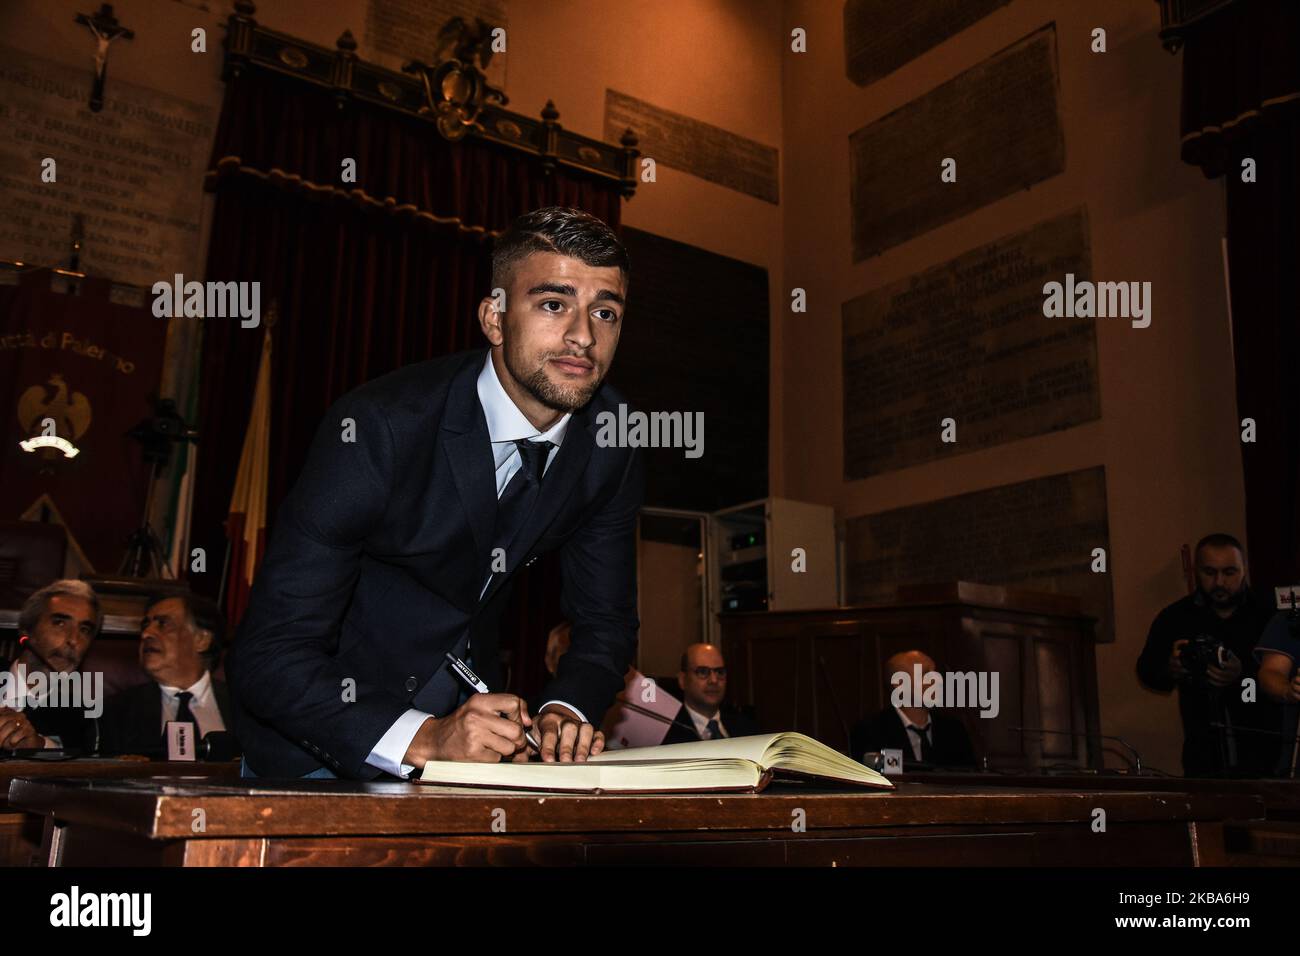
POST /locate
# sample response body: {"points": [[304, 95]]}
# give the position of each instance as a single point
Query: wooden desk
{"points": [[20, 833], [1281, 797], [152, 822]]}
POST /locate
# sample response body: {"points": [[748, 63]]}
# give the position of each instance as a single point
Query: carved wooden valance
{"points": [[451, 93]]}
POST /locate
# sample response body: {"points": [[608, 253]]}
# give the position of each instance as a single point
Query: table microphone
{"points": [[1137, 757], [219, 746], [215, 746]]}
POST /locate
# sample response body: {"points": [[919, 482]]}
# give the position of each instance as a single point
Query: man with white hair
{"points": [[55, 627]]}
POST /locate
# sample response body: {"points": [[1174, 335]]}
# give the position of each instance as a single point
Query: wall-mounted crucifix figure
{"points": [[106, 29]]}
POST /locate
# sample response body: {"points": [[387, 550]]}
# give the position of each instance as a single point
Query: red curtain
{"points": [[91, 365], [366, 276], [1241, 100]]}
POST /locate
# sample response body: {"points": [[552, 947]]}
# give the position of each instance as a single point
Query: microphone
{"points": [[219, 746], [1137, 757], [26, 644], [650, 713], [215, 746]]}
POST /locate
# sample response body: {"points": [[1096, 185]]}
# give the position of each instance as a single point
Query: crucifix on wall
{"points": [[106, 29]]}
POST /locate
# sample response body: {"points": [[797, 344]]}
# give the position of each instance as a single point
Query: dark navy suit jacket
{"points": [[737, 724], [132, 721], [380, 551]]}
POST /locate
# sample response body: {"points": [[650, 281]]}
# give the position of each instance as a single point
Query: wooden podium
{"points": [[821, 671]]}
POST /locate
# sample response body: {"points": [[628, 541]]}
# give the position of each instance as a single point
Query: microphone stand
{"points": [[650, 713], [1137, 757]]}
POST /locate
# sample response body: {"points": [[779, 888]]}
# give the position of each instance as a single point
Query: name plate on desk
{"points": [[893, 762], [181, 743]]}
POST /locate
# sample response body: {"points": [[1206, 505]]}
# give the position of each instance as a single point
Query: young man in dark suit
{"points": [[928, 737], [703, 679], [180, 645], [424, 492]]}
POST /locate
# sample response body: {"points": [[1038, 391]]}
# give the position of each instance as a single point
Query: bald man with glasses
{"points": [[703, 678]]}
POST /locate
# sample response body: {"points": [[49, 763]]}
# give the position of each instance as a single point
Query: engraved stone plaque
{"points": [[681, 142], [1037, 535], [882, 35], [999, 121], [134, 171], [967, 340]]}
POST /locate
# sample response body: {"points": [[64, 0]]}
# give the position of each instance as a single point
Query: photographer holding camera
{"points": [[1204, 645]]}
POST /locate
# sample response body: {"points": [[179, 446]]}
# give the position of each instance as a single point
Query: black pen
{"points": [[461, 670]]}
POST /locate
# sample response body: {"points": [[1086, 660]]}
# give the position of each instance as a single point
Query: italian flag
{"points": [[246, 523]]}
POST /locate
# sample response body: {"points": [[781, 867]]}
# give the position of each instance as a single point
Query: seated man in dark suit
{"points": [[180, 642], [56, 626], [703, 678], [925, 736]]}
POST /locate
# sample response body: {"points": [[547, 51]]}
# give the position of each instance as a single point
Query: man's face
{"points": [[1220, 574], [62, 634], [169, 647], [901, 669], [559, 330], [702, 685]]}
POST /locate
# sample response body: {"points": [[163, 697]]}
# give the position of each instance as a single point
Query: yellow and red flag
{"points": [[246, 523]]}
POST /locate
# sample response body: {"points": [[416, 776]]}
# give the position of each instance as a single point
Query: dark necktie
{"points": [[520, 494], [715, 731], [183, 712], [926, 749], [183, 715], [444, 692]]}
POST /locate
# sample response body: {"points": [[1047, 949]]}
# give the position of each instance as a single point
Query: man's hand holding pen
{"points": [[488, 728], [485, 729], [491, 727]]}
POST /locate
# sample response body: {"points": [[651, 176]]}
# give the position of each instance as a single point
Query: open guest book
{"points": [[731, 763]]}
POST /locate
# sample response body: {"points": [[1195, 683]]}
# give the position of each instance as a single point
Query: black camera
{"points": [[1200, 652]]}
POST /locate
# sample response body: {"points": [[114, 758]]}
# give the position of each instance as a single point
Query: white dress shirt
{"points": [[506, 425], [702, 723], [203, 705], [915, 739], [14, 695]]}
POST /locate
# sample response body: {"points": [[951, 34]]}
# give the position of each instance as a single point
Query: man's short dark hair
{"points": [[1218, 540], [560, 229], [201, 613]]}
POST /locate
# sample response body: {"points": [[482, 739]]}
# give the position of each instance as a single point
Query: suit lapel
{"points": [[468, 447], [145, 722], [222, 695]]}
